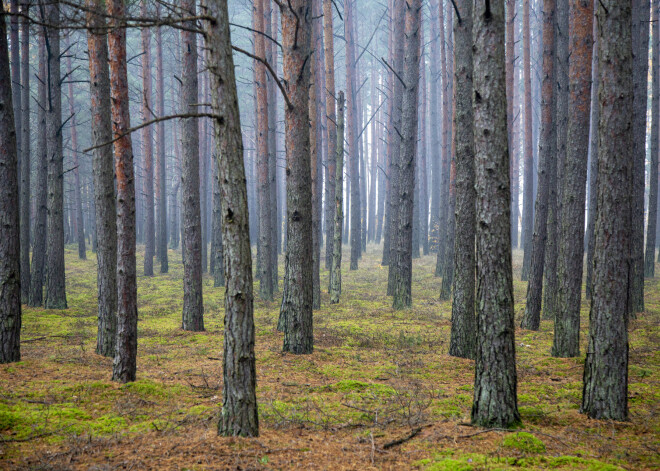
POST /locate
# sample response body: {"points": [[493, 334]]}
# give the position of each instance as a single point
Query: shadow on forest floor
{"points": [[375, 376]]}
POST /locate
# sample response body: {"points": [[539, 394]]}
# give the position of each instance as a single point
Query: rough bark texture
{"points": [[463, 338], [15, 82], [528, 150], [547, 169], [649, 261], [41, 162], [161, 156], [571, 235], [593, 166], [239, 403], [510, 61], [193, 306], [422, 167], [495, 403], [605, 393], [270, 20], [217, 247], [436, 153], [25, 153], [297, 300], [103, 175], [335, 269], [10, 257], [640, 48], [331, 139], [147, 149], [124, 364], [352, 122], [55, 282], [402, 238]]}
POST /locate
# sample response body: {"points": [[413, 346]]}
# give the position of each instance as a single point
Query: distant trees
{"points": [[147, 148]]}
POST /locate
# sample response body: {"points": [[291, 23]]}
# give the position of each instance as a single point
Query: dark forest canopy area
{"points": [[181, 181]]}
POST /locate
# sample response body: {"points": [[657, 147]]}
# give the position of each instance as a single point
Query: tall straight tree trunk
{"points": [[263, 180], [605, 393], [593, 166], [335, 269], [353, 148], [25, 152], [495, 403], [10, 256], [640, 47], [147, 149], [528, 194], [436, 153], [297, 302], [15, 82], [371, 222], [571, 236], [407, 165], [649, 261], [463, 338], [331, 139], [510, 60], [448, 268], [239, 401], [203, 169], [193, 306], [422, 171], [124, 364], [161, 156], [77, 197], [314, 146], [41, 161], [55, 283], [217, 247], [547, 172], [382, 155], [103, 176], [270, 19]]}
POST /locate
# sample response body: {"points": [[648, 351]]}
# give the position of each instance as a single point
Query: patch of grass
{"points": [[523, 442]]}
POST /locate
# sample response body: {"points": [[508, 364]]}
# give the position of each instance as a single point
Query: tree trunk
{"points": [[55, 283], [24, 162], [193, 306], [147, 149], [335, 270], [331, 139], [436, 152], [649, 262], [124, 364], [495, 403], [371, 218], [239, 405], [297, 302], [10, 249], [15, 82], [571, 236], [270, 19], [161, 156], [217, 248], [605, 393], [510, 61], [547, 169], [593, 167], [103, 175], [528, 194], [463, 338], [422, 171]]}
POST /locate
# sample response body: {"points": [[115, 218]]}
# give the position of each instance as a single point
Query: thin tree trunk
{"points": [[422, 170], [161, 156], [147, 149], [528, 194], [495, 403], [605, 393], [649, 262], [335, 270], [270, 19], [371, 222], [593, 168], [25, 153], [436, 152], [510, 61], [331, 140]]}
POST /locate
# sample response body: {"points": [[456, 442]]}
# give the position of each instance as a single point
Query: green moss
{"points": [[528, 398], [523, 442], [8, 420], [147, 388]]}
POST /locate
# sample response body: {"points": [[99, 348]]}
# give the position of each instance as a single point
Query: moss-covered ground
{"points": [[376, 376]]}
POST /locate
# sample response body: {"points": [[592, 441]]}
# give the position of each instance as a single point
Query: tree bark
{"points": [[605, 393], [55, 282], [593, 166], [161, 156], [528, 194], [510, 94], [10, 247], [422, 171], [193, 306], [147, 149], [335, 270], [239, 404], [463, 338], [124, 364], [649, 262], [495, 403], [270, 19], [331, 140], [25, 153]]}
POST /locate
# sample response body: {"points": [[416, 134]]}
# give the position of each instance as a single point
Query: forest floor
{"points": [[376, 376]]}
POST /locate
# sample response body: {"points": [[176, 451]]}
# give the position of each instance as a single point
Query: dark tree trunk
{"points": [[448, 268], [297, 301], [593, 166], [147, 149], [605, 393], [10, 256], [239, 405], [495, 403], [103, 175], [124, 364], [161, 157], [528, 194], [193, 306], [382, 155], [571, 235], [41, 161], [25, 153], [422, 171], [335, 269], [217, 249], [15, 81], [270, 19], [547, 169], [463, 338], [649, 262], [331, 139], [510, 94], [55, 283]]}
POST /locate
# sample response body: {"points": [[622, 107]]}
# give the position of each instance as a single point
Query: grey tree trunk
{"points": [[10, 256], [25, 160], [463, 337], [547, 171], [55, 282], [436, 153], [270, 18], [528, 194], [605, 393], [649, 261], [103, 176], [495, 403], [193, 306], [593, 166], [335, 269], [161, 157], [147, 149], [239, 402], [331, 139], [217, 249]]}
